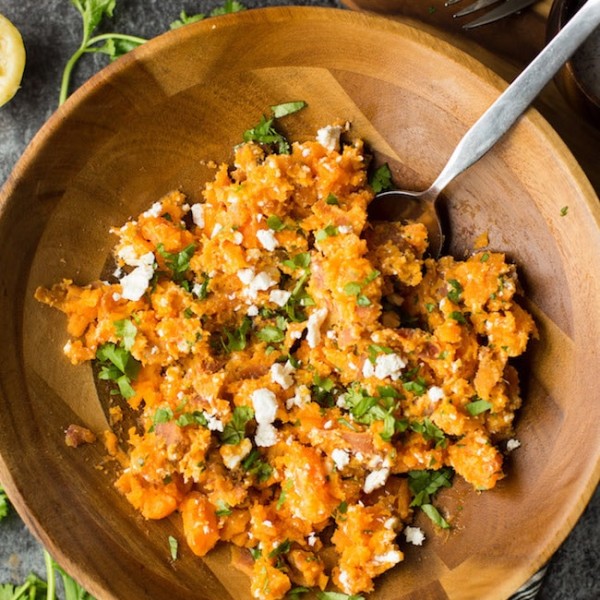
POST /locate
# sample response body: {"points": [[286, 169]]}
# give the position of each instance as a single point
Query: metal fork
{"points": [[504, 9]]}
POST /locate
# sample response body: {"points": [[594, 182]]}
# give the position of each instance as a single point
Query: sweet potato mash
{"points": [[305, 379]]}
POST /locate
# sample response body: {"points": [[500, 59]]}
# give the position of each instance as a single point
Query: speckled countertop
{"points": [[51, 31]]}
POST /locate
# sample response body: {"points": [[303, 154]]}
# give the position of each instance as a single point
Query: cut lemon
{"points": [[12, 60]]}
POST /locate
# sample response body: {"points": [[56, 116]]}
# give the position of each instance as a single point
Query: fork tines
{"points": [[504, 9]]}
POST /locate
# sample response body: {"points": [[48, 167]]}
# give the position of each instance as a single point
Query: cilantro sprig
{"points": [[265, 133], [235, 431], [118, 365], [4, 505], [424, 484], [113, 44]]}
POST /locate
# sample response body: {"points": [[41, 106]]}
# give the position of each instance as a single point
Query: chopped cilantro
{"points": [[127, 331], [323, 234], [275, 223], [457, 316], [280, 549], [332, 200], [430, 431], [271, 334], [177, 262], [381, 179], [255, 465], [434, 514], [264, 133], [338, 596], [173, 547], [424, 484], [229, 6], [118, 365], [192, 418], [223, 509], [564, 210], [478, 406], [237, 338], [287, 108], [455, 292], [235, 431]]}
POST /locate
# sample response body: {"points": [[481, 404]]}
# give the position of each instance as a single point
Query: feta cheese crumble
{"points": [[267, 239], [329, 137], [265, 406], [386, 365], [512, 444], [198, 215], [282, 374], [341, 458], [414, 535], [313, 327], [375, 479]]}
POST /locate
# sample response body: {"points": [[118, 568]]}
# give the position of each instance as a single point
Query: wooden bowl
{"points": [[574, 79], [146, 125]]}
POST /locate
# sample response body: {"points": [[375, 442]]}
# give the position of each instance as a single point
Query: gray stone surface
{"points": [[51, 30]]}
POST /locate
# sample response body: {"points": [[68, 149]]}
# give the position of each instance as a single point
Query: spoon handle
{"points": [[503, 113]]}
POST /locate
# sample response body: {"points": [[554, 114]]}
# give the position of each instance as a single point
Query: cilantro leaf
{"points": [[280, 549], [173, 547], [185, 19], [255, 465], [424, 484], [338, 596], [381, 179], [237, 338], [117, 45], [235, 431], [287, 108], [271, 334], [434, 514], [4, 505], [118, 365], [264, 133], [456, 290], [323, 234], [229, 6], [127, 331], [430, 432], [177, 262], [478, 406]]}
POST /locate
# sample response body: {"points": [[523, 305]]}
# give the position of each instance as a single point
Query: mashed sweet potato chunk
{"points": [[304, 379]]}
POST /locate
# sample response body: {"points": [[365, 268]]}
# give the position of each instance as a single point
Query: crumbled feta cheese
{"points": [[252, 310], [313, 326], [279, 297], [245, 276], [266, 435], [329, 137], [435, 393], [282, 374], [343, 229], [216, 230], [390, 557], [300, 398], [135, 284], [390, 523], [198, 215], [265, 405], [340, 457], [512, 444], [344, 581], [386, 365], [267, 239], [312, 538], [130, 257], [375, 479], [238, 238], [414, 535], [213, 423], [116, 296], [154, 211]]}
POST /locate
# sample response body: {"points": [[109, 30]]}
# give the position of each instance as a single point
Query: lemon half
{"points": [[12, 60]]}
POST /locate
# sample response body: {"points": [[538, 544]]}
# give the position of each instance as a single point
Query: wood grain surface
{"points": [[144, 126], [506, 47]]}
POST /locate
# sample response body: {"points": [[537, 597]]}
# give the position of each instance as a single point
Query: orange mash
{"points": [[305, 380]]}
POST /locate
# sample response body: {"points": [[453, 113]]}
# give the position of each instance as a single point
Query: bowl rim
{"points": [[274, 15]]}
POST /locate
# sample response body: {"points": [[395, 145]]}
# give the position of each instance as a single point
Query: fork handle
{"points": [[511, 104]]}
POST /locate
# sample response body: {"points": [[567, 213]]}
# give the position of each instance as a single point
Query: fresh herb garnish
{"points": [[275, 223], [223, 509], [255, 465], [185, 19], [354, 288], [4, 506], [434, 514], [332, 200], [430, 432], [478, 406], [338, 596], [236, 339], [235, 431], [424, 484], [328, 231], [113, 44], [456, 291], [118, 365], [126, 331], [271, 334], [287, 108], [381, 179], [177, 262], [192, 418], [280, 549], [173, 547]]}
